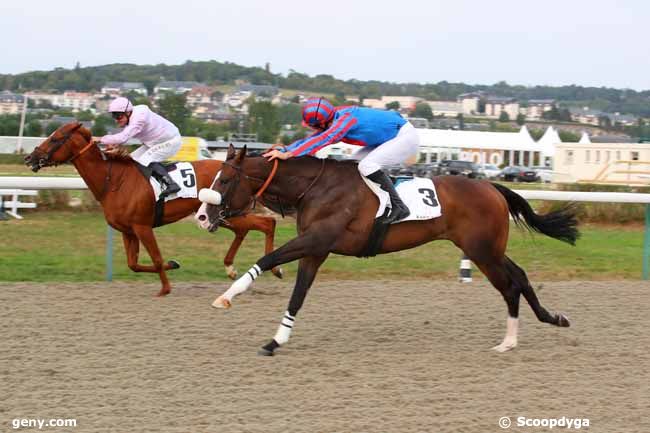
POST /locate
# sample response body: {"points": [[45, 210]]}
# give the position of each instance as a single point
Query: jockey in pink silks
{"points": [[161, 138]]}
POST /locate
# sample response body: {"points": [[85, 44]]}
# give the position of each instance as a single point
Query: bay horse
{"points": [[128, 202], [335, 214]]}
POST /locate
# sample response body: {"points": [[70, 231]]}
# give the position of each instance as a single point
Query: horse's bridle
{"points": [[58, 143], [227, 213]]}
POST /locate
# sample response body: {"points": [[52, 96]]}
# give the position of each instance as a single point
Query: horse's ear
{"points": [[231, 152], [241, 154]]}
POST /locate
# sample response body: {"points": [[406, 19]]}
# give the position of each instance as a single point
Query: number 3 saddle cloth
{"points": [[418, 193]]}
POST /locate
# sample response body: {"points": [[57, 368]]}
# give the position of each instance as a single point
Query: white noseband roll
{"points": [[209, 196]]}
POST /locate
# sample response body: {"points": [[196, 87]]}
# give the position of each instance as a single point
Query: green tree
{"points": [[521, 119], [503, 117], [9, 125], [84, 116], [290, 114], [99, 128], [394, 105], [422, 109], [51, 127], [568, 136], [264, 120], [173, 108], [34, 129]]}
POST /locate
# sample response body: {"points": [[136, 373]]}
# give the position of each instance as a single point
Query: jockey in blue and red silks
{"points": [[386, 137]]}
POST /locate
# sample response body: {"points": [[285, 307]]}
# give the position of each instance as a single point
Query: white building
{"points": [[446, 108], [175, 87], [495, 105], [116, 88], [11, 103], [606, 163], [405, 102], [537, 107], [510, 148], [76, 101], [469, 102]]}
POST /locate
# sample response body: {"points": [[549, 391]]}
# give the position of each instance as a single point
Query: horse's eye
{"points": [[224, 181]]}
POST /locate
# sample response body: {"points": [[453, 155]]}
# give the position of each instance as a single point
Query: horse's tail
{"points": [[560, 224]]}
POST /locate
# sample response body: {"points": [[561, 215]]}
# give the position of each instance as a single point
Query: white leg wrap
{"points": [[510, 340], [243, 283], [285, 328]]}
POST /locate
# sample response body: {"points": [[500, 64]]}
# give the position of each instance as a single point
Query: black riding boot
{"points": [[399, 211], [167, 184]]}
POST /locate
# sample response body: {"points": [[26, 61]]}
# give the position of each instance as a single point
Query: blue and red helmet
{"points": [[317, 113]]}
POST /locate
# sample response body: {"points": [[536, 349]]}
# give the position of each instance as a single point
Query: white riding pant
{"points": [[395, 151], [158, 152]]}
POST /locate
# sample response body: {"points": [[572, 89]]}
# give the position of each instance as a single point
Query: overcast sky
{"points": [[549, 42]]}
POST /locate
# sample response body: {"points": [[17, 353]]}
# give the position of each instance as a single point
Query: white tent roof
{"points": [[585, 138], [435, 138]]}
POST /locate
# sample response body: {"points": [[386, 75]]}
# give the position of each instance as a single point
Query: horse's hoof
{"points": [[221, 302], [505, 346], [163, 293], [277, 272], [231, 272], [563, 321], [173, 264], [265, 352], [268, 349]]}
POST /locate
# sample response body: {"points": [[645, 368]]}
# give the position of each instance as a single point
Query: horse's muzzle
{"points": [[35, 163]]}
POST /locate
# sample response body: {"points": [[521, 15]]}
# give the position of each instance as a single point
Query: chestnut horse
{"points": [[128, 202], [335, 214]]}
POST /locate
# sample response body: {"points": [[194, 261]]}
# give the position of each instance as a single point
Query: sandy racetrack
{"points": [[382, 356]]}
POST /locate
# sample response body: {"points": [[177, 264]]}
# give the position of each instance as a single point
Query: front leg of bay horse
{"points": [[307, 269], [146, 236], [314, 243]]}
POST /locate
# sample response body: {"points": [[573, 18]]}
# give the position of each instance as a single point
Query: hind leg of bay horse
{"points": [[241, 226], [146, 236], [511, 281]]}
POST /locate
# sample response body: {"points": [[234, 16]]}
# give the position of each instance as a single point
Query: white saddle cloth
{"points": [[418, 194], [184, 176]]}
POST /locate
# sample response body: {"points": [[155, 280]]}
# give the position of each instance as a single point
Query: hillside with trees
{"points": [[217, 73]]}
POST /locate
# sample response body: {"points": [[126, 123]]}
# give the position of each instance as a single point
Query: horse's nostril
{"points": [[201, 218]]}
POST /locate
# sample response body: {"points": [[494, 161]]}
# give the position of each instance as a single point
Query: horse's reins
{"points": [[60, 142], [263, 188]]}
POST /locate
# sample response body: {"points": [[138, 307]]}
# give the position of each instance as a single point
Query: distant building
{"points": [[75, 101], [260, 90], [495, 105], [446, 108], [177, 87], [585, 115], [604, 163], [469, 102], [116, 88], [406, 103], [507, 148], [537, 107], [11, 103]]}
